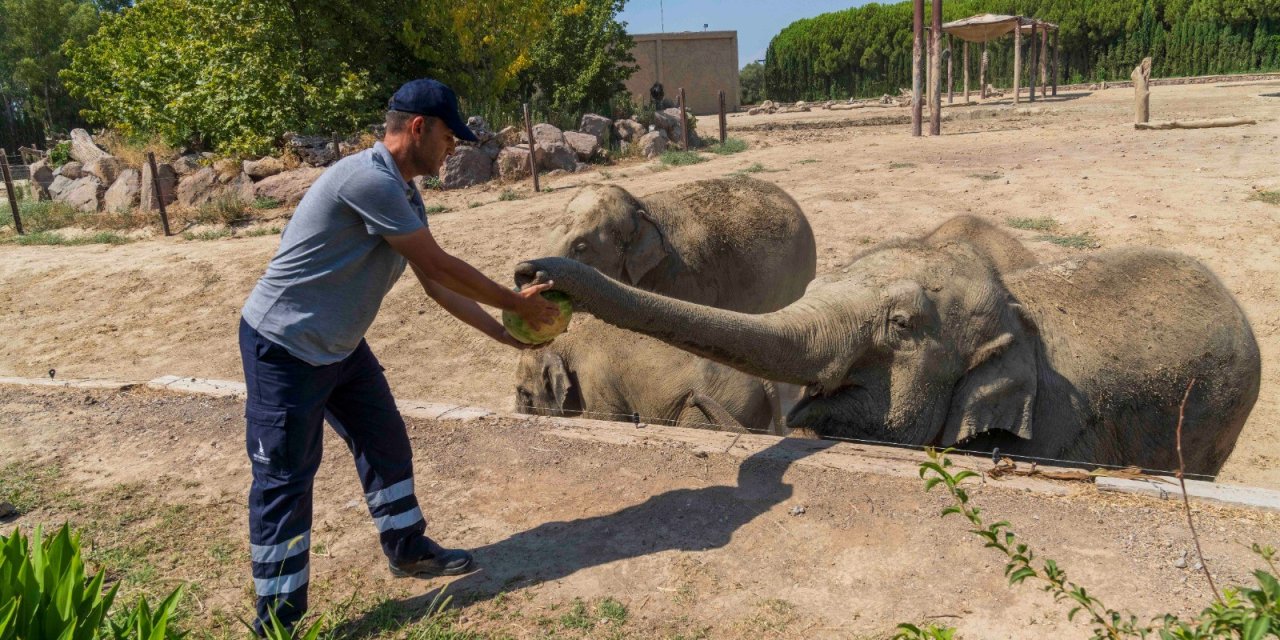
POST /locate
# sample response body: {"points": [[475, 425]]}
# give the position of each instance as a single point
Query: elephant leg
{"points": [[777, 419], [702, 411]]}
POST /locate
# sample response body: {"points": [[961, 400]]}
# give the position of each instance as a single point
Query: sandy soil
{"points": [[692, 544], [170, 306]]}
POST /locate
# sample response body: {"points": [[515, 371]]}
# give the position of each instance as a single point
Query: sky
{"points": [[756, 21]]}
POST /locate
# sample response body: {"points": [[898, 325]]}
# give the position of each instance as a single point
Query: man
{"points": [[305, 358]]}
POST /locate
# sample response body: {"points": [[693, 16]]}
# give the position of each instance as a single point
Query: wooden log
{"points": [[1031, 70], [965, 63], [1044, 63], [1056, 57], [1142, 91], [935, 37], [1193, 124], [1017, 61], [917, 46]]}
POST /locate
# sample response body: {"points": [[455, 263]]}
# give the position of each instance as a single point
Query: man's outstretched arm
{"points": [[466, 310]]}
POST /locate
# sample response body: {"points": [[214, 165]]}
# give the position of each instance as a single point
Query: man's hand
{"points": [[534, 309]]}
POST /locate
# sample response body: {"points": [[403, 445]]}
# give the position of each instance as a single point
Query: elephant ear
{"points": [[555, 375], [998, 392], [648, 247]]}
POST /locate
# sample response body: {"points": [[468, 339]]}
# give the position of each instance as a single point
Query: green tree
{"points": [[581, 59], [36, 34], [751, 81]]}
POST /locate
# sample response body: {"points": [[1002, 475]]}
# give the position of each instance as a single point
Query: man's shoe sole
{"points": [[456, 571]]}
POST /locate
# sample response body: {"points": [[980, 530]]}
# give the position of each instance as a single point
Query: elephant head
{"points": [[610, 230], [545, 386], [914, 342]]}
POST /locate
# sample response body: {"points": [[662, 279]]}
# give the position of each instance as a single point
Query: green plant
{"points": [[807, 161], [902, 165], [262, 231], [60, 154], [507, 195], [1269, 197], [1033, 224], [472, 205], [46, 594], [576, 617], [674, 158], [728, 147], [265, 203], [51, 238], [224, 210], [211, 234], [42, 215], [432, 182], [754, 168], [908, 631], [1240, 612], [612, 610], [1072, 241], [276, 630], [436, 208], [986, 176]]}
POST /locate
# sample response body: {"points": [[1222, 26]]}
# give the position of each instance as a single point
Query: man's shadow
{"points": [[680, 520]]}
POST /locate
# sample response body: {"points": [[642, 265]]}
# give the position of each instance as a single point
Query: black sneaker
{"points": [[440, 562]]}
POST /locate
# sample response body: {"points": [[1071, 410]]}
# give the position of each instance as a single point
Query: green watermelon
{"points": [[521, 331]]}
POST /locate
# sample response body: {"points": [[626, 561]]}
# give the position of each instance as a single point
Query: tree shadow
{"points": [[678, 520]]}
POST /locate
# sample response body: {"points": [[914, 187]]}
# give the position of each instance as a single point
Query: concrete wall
{"points": [[703, 62]]}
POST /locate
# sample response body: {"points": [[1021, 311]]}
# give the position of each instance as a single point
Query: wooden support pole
{"points": [[1056, 57], [1193, 124], [965, 63], [1031, 71], [950, 85], [917, 46], [982, 72], [533, 162], [1017, 61], [337, 149], [1044, 62], [684, 123], [10, 192], [724, 124], [155, 186], [935, 106]]}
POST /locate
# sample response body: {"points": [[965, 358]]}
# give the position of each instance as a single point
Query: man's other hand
{"points": [[534, 309]]}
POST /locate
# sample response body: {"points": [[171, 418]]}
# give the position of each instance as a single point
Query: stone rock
{"points": [[480, 128], [669, 120], [512, 163], [241, 187], [168, 179], [288, 187], [106, 168], [59, 186], [201, 187], [313, 150], [767, 104], [491, 149], [628, 130], [123, 193], [585, 145], [264, 168], [7, 510], [72, 170], [187, 164], [510, 137], [466, 167], [582, 167], [596, 125], [84, 194], [555, 155], [41, 176], [545, 134], [652, 144], [227, 170], [82, 147]]}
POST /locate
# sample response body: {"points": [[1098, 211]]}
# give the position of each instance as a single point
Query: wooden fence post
{"points": [[337, 148], [723, 123], [10, 191], [966, 71], [917, 46], [684, 123], [935, 66], [1035, 57], [533, 162], [1017, 60], [155, 186]]}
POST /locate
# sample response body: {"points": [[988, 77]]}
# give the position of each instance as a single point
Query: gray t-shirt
{"points": [[324, 286]]}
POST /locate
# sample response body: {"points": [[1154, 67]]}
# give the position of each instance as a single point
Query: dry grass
{"points": [[134, 152], [1269, 197]]}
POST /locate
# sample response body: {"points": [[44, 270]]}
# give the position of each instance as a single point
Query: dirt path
{"points": [[692, 545], [170, 306]]}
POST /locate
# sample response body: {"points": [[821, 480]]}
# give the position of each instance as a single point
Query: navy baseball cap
{"points": [[427, 97]]}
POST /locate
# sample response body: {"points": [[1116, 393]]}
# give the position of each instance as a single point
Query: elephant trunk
{"points": [[791, 345]]}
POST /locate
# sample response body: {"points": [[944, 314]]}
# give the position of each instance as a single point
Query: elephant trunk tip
{"points": [[528, 272]]}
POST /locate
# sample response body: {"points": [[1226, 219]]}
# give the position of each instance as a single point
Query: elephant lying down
{"points": [[606, 373], [927, 342]]}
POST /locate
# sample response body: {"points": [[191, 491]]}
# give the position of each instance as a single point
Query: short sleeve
{"points": [[382, 202]]}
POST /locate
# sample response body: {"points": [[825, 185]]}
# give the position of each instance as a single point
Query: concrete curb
{"points": [[826, 454]]}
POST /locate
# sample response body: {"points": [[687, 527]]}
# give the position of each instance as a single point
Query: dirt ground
{"points": [[169, 306], [581, 539]]}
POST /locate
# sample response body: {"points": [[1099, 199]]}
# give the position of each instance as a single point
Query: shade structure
{"points": [[990, 26]]}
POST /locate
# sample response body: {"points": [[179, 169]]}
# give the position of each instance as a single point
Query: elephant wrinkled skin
{"points": [[926, 341]]}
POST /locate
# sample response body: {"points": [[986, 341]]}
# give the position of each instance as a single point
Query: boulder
{"points": [[41, 176], [187, 164], [168, 179], [72, 170], [491, 149], [106, 168], [465, 167], [59, 186], [652, 144], [264, 168], [545, 134], [82, 147], [84, 194], [669, 120], [628, 130], [596, 125], [123, 193], [288, 187], [767, 104], [582, 166], [480, 128], [585, 145], [510, 137], [227, 170], [512, 163], [241, 187], [198, 188], [555, 155], [313, 150]]}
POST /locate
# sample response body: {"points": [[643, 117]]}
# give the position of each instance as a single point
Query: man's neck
{"points": [[399, 150]]}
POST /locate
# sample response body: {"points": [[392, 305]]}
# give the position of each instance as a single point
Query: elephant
{"points": [[596, 370], [734, 243], [924, 341]]}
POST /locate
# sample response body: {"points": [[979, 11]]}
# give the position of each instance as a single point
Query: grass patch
{"points": [[432, 182], [508, 195], [1269, 197], [230, 210], [754, 168], [436, 208], [576, 617], [986, 176], [51, 238], [681, 158], [1073, 241], [266, 203], [472, 205], [612, 611], [262, 231], [1033, 224], [807, 161], [25, 485], [902, 165], [41, 215], [730, 146], [212, 234]]}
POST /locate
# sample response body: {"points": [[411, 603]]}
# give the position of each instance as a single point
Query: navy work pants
{"points": [[287, 402]]}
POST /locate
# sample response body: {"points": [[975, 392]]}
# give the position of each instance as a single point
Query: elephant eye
{"points": [[900, 320], [579, 247]]}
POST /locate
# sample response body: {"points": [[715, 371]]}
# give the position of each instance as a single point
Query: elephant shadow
{"points": [[678, 520]]}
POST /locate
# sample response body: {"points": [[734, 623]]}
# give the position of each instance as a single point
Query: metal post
{"points": [[9, 190], [965, 62], [723, 123], [533, 164], [1035, 57], [917, 46], [1017, 59], [155, 186], [935, 106], [684, 123]]}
